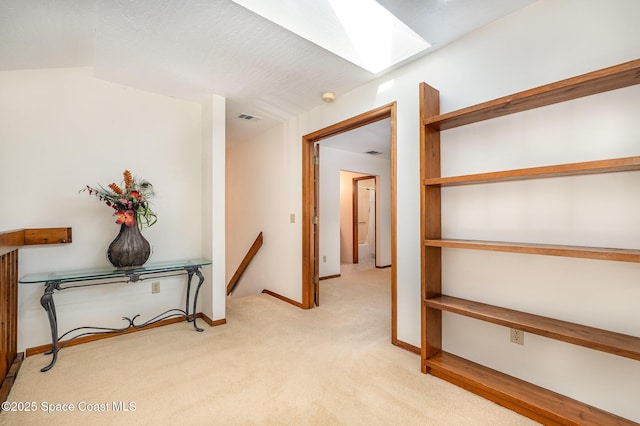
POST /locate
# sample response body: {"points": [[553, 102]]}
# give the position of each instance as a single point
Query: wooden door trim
{"points": [[308, 253]]}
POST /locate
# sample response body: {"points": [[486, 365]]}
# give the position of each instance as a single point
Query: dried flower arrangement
{"points": [[130, 201]]}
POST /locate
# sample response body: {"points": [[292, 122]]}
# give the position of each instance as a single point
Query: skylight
{"points": [[360, 31]]}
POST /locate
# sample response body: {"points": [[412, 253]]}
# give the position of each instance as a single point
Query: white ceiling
{"points": [[192, 48]]}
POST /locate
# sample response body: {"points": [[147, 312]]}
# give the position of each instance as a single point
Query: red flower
{"points": [[136, 195], [128, 217]]}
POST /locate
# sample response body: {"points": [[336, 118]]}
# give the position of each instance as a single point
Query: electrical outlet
{"points": [[517, 336], [292, 218], [324, 259], [155, 287]]}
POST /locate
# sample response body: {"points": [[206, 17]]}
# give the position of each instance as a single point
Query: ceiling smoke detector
{"points": [[328, 97], [247, 117]]}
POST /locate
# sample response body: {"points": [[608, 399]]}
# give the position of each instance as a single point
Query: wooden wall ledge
{"points": [[11, 240]]}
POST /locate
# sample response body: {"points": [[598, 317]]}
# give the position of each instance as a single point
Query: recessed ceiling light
{"points": [[372, 152], [360, 31]]}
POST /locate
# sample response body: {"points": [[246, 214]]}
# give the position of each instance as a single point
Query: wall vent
{"points": [[247, 117]]}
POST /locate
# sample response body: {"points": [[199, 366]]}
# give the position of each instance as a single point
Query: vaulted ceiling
{"points": [[192, 48]]}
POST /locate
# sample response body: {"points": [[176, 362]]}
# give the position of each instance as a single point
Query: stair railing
{"points": [[10, 242], [245, 262]]}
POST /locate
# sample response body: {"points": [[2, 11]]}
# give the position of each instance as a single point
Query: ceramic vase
{"points": [[129, 248]]}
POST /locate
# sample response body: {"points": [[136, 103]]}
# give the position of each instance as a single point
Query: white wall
{"points": [[332, 161], [545, 42], [61, 129], [261, 195], [213, 162]]}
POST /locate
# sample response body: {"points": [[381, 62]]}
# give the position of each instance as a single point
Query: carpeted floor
{"points": [[271, 364]]}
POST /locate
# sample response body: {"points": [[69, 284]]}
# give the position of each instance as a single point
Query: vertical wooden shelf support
{"points": [[430, 204]]}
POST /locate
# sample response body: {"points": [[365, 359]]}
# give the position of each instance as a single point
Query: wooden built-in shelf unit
{"points": [[533, 401]]}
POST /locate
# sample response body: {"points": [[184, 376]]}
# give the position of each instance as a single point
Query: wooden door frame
{"points": [[355, 214], [308, 249]]}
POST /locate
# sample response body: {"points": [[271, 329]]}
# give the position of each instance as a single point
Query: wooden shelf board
{"points": [[615, 77], [533, 401], [571, 169], [589, 337], [47, 236], [599, 253]]}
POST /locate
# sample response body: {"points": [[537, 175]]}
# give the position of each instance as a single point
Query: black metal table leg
{"points": [[47, 303], [195, 298], [190, 318]]}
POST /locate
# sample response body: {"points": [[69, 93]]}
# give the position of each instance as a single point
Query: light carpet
{"points": [[271, 364]]}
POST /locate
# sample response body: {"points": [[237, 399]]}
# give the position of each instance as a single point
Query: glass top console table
{"points": [[63, 280]]}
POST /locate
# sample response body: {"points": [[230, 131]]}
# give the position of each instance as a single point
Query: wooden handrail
{"points": [[245, 262], [10, 242]]}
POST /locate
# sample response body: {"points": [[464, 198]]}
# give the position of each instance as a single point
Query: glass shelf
{"points": [[110, 271]]}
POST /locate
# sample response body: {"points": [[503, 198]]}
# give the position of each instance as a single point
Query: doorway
{"points": [[310, 211], [364, 220]]}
